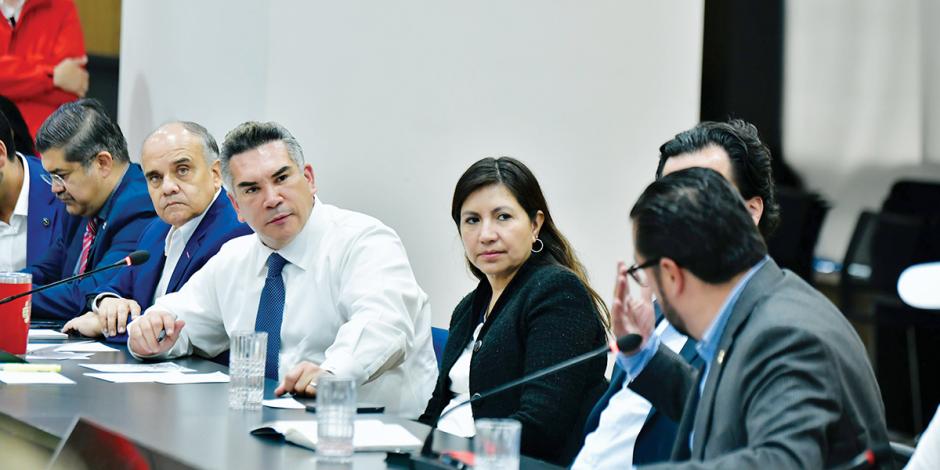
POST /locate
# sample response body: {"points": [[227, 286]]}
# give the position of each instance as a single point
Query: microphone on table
{"points": [[133, 259], [429, 459]]}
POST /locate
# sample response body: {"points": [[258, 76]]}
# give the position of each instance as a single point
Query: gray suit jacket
{"points": [[791, 385]]}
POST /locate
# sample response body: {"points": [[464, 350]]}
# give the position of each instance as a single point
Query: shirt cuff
{"points": [[98, 298], [634, 365]]}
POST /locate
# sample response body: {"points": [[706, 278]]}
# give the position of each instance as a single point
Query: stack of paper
{"points": [[368, 434], [34, 378], [169, 378], [42, 333]]}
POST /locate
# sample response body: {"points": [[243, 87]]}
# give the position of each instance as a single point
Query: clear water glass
{"points": [[496, 444], [247, 354], [336, 415]]}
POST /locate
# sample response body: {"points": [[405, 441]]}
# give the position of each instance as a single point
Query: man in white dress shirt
{"points": [[335, 284]]}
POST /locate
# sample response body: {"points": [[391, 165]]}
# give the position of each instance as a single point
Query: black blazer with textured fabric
{"points": [[544, 316]]}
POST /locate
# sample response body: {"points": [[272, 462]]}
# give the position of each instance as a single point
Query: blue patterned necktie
{"points": [[270, 312]]}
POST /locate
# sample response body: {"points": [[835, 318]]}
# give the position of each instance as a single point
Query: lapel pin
{"points": [[721, 356], [45, 222]]}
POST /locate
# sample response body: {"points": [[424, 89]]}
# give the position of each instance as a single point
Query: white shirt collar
{"points": [[13, 9], [297, 251], [181, 235], [22, 201]]}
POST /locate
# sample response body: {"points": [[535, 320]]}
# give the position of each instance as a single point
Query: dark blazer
{"points": [[544, 316], [47, 216], [654, 441], [790, 387], [219, 225], [126, 213]]}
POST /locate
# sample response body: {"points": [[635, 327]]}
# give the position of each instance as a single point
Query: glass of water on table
{"points": [[336, 416], [247, 354]]}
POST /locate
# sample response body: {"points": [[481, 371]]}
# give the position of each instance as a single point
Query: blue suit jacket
{"points": [[658, 434], [47, 216], [219, 225], [125, 214]]}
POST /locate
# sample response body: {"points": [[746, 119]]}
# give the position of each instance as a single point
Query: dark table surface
{"points": [[191, 422]]}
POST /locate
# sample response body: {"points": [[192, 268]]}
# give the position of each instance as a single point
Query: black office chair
{"points": [[801, 217], [881, 247]]}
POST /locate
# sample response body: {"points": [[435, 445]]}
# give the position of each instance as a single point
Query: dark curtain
{"points": [[742, 71]]}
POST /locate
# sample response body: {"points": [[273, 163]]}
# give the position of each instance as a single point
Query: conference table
{"points": [[191, 422]]}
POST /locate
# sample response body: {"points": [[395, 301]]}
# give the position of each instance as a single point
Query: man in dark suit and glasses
{"points": [[785, 381], [623, 428]]}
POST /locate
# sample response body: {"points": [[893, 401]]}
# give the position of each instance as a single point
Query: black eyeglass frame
{"points": [[633, 270]]}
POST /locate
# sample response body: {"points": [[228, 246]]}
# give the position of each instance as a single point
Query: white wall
{"points": [[393, 100]]}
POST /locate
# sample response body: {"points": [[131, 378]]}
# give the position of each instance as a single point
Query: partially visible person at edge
{"points": [[42, 63]]}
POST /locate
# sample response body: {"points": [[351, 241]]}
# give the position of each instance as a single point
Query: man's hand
{"points": [[301, 380], [630, 314], [143, 333], [71, 76], [113, 313], [85, 325]]}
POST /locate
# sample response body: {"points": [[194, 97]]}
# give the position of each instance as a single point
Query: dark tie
{"points": [[271, 311], [88, 239]]}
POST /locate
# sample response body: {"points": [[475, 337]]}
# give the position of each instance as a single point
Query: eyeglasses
{"points": [[636, 271], [53, 179]]}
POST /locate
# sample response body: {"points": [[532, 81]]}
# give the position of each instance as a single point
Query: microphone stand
{"points": [[428, 459], [133, 259]]}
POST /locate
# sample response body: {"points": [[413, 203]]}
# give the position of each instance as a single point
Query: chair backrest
{"points": [[882, 246], [438, 340]]}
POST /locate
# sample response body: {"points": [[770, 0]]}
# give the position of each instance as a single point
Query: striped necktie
{"points": [[91, 229], [271, 311]]}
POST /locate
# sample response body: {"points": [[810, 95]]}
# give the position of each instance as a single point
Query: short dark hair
{"points": [[522, 184], [82, 129], [6, 136], [251, 135], [750, 161], [697, 219], [22, 139]]}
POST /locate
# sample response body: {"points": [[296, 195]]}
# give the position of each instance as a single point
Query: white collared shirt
{"points": [[460, 421], [611, 445], [12, 9], [176, 241], [352, 305], [13, 235]]}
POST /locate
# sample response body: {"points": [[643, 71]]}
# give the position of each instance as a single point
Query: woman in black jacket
{"points": [[533, 308]]}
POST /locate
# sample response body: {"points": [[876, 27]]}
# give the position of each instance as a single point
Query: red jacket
{"points": [[47, 32]]}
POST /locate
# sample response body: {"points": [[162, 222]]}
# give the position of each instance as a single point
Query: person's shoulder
{"points": [[551, 276], [351, 225]]}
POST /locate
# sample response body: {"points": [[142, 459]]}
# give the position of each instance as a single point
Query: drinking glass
{"points": [[246, 369], [336, 414], [496, 444]]}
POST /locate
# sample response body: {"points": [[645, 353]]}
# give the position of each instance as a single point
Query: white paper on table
{"points": [[43, 333], [284, 403], [126, 378], [369, 434], [49, 355], [9, 377], [138, 368], [89, 346], [174, 378], [32, 347]]}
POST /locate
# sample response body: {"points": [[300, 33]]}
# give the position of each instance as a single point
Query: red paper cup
{"points": [[14, 315]]}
